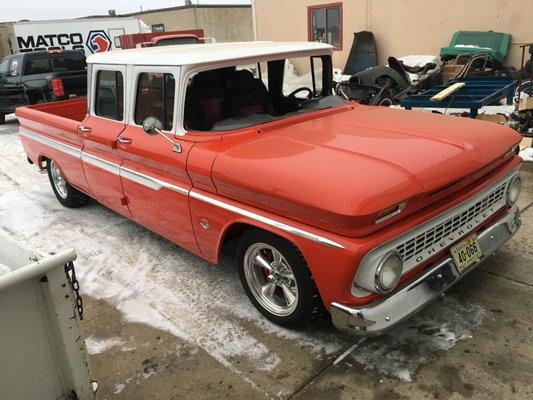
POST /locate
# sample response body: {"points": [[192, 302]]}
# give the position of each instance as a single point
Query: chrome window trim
{"points": [[156, 184], [267, 221], [364, 277]]}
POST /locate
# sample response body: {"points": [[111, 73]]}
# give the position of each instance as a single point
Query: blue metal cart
{"points": [[476, 93]]}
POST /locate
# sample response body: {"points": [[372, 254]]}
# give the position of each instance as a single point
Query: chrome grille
{"points": [[434, 235]]}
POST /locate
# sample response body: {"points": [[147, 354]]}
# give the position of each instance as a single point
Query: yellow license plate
{"points": [[466, 252]]}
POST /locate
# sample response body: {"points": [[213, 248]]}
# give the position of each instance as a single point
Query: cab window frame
{"points": [[188, 72], [164, 76], [92, 74], [96, 87], [134, 73]]}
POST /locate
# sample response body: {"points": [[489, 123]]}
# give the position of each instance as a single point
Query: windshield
{"points": [[245, 95]]}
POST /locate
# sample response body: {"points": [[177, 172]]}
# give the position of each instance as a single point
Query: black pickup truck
{"points": [[41, 76]]}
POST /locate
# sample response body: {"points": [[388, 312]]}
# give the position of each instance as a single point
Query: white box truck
{"points": [[92, 35]]}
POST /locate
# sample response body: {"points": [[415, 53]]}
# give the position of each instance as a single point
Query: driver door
{"points": [[154, 177]]}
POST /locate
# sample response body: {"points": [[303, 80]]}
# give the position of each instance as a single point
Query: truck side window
{"points": [[110, 95], [4, 65], [155, 98]]}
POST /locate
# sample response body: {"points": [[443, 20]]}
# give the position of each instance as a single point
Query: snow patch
{"points": [[437, 328], [420, 60], [119, 387], [98, 346], [526, 154]]}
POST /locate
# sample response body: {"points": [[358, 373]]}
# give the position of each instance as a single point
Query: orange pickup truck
{"points": [[368, 212]]}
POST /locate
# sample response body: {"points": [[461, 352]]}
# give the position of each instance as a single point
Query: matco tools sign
{"points": [[93, 41]]}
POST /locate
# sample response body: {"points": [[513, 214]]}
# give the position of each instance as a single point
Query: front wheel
{"points": [[277, 280], [67, 195]]}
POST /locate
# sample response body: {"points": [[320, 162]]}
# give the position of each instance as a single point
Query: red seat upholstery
{"points": [[203, 104], [247, 94]]}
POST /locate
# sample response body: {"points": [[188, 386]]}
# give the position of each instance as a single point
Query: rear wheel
{"points": [[67, 195], [277, 280]]}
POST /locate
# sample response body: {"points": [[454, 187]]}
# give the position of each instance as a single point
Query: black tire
{"points": [[2, 118], [309, 305], [73, 198]]}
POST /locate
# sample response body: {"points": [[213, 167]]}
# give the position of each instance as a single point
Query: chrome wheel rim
{"points": [[58, 180], [271, 279]]}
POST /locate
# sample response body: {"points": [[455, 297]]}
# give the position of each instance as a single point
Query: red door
{"points": [[156, 185], [99, 132], [154, 176]]}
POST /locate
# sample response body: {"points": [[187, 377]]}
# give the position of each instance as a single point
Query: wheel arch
{"points": [[42, 159], [232, 233]]}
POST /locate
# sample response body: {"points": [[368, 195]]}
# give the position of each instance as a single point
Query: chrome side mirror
{"points": [[152, 126]]}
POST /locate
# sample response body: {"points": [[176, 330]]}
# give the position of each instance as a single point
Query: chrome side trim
{"points": [[100, 163], [150, 181], [156, 184], [399, 208], [267, 221], [65, 148], [364, 277]]}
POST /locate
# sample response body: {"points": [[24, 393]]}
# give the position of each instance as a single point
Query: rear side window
{"points": [[109, 96], [45, 63], [155, 98]]}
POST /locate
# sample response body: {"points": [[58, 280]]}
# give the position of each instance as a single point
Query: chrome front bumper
{"points": [[378, 317]]}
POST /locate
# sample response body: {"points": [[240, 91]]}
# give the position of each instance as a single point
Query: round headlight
{"points": [[513, 190], [388, 272]]}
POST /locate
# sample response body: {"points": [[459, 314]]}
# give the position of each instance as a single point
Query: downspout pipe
{"points": [[254, 21]]}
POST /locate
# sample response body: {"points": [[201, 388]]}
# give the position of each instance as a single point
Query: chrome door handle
{"points": [[124, 140], [84, 129]]}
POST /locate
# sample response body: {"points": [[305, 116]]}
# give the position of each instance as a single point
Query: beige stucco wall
{"points": [[402, 27], [225, 24], [6, 32]]}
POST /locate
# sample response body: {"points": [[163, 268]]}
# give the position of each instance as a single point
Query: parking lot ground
{"points": [[161, 323]]}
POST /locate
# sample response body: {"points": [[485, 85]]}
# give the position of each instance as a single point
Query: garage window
{"points": [[325, 24], [155, 98], [110, 95]]}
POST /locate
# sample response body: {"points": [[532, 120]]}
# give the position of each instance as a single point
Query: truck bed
{"points": [[50, 131]]}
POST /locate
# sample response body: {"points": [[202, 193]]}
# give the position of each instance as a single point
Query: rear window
{"points": [[45, 63], [174, 41], [110, 95]]}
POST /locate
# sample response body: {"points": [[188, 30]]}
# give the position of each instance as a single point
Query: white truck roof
{"points": [[192, 54]]}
